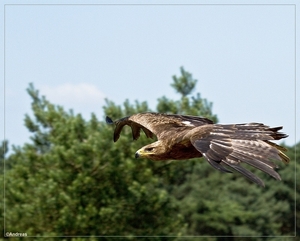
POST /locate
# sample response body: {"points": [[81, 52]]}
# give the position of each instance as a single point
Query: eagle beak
{"points": [[140, 153]]}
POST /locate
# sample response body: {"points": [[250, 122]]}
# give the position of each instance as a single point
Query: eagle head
{"points": [[153, 151]]}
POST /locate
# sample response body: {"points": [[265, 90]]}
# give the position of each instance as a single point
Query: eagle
{"points": [[224, 146]]}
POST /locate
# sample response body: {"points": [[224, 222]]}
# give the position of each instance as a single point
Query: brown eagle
{"points": [[182, 137]]}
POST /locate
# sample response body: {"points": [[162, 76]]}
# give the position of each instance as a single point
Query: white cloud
{"points": [[83, 98], [73, 93]]}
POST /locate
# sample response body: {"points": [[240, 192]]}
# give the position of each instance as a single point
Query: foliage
{"points": [[3, 152], [185, 85], [72, 180]]}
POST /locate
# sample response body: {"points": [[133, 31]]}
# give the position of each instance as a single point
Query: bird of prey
{"points": [[181, 137]]}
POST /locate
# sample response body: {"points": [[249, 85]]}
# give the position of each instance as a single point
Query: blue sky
{"points": [[76, 55]]}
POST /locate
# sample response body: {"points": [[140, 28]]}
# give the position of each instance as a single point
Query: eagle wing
{"points": [[161, 125], [229, 145]]}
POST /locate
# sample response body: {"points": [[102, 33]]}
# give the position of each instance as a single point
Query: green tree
{"points": [[218, 204], [288, 191], [3, 153], [71, 179], [195, 105]]}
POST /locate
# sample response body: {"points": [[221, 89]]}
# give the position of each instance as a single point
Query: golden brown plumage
{"points": [[184, 137]]}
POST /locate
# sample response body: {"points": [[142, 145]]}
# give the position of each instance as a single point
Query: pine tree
{"points": [[194, 105], [72, 180]]}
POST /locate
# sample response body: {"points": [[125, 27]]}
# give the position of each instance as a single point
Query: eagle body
{"points": [[171, 151], [182, 137]]}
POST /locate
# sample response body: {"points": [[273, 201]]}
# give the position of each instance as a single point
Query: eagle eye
{"points": [[149, 149]]}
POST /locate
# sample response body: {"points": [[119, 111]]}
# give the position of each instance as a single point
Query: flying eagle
{"points": [[181, 137]]}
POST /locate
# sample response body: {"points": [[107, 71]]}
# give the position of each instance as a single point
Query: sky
{"points": [[77, 54]]}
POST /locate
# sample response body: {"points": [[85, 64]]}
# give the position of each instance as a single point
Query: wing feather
{"points": [[246, 173], [233, 144], [161, 125], [135, 127], [216, 165]]}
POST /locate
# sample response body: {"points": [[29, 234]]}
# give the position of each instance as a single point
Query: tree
{"points": [[3, 153], [185, 85], [218, 204], [71, 179]]}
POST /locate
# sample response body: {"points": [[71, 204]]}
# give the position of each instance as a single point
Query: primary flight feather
{"points": [[182, 137]]}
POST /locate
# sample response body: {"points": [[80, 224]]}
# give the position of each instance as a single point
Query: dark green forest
{"points": [[70, 179]]}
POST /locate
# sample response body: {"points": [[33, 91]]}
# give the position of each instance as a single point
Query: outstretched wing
{"points": [[161, 125], [229, 145]]}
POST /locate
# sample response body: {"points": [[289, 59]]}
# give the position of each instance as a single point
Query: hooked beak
{"points": [[140, 153]]}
